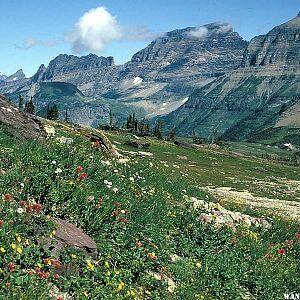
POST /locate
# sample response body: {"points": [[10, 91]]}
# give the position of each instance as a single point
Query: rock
{"points": [[75, 237], [68, 234], [50, 130], [18, 123], [163, 277], [140, 144]]}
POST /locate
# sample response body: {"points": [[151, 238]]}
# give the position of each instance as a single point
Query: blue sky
{"points": [[34, 31]]}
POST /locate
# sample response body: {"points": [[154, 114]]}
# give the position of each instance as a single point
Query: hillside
{"points": [[263, 92], [154, 230]]}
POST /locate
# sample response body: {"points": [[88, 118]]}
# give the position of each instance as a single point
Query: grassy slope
{"points": [[206, 167], [215, 263]]}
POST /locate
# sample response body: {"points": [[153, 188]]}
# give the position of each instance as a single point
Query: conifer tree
{"points": [[21, 102]]}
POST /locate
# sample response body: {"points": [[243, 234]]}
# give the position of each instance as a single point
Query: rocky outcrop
{"points": [[251, 98], [38, 76], [18, 123]]}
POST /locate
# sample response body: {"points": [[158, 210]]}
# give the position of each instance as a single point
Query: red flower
{"points": [[11, 267], [29, 208], [56, 276], [297, 235], [124, 221], [115, 213], [269, 257], [281, 251], [1, 222], [37, 207], [82, 177], [79, 169], [97, 143], [7, 284], [30, 272], [37, 270], [7, 197], [126, 211], [60, 298], [23, 203], [138, 244]]}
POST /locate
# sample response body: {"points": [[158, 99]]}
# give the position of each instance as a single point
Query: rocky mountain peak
{"points": [[38, 76], [280, 46], [19, 75], [2, 76], [64, 64]]}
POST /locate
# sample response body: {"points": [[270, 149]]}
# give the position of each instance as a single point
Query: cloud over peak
{"points": [[204, 32], [94, 30]]}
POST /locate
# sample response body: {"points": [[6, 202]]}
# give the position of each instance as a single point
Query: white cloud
{"points": [[32, 42], [94, 30], [204, 32], [139, 33], [199, 33], [224, 28]]}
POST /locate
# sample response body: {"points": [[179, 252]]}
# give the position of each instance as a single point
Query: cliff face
{"points": [[253, 97], [157, 80]]}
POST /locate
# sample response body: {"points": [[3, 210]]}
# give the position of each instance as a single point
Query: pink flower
{"points": [[281, 251]]}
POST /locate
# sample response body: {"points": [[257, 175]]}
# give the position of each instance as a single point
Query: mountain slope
{"points": [[251, 98], [157, 80]]}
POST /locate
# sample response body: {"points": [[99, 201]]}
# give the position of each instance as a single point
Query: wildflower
{"points": [[79, 169], [115, 189], [20, 210], [18, 238], [2, 250], [7, 197], [147, 293], [1, 222], [37, 207], [53, 162], [52, 233], [138, 244], [1, 271], [14, 246], [60, 298], [58, 171], [269, 257], [11, 222], [281, 251], [289, 243], [130, 293], [206, 269], [90, 265], [23, 203], [47, 261], [74, 256], [131, 179], [106, 264], [19, 250], [152, 255], [120, 286], [27, 242], [11, 267], [115, 213], [82, 177], [198, 265], [56, 276], [297, 235]]}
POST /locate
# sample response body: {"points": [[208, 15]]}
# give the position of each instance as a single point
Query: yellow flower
{"points": [[147, 293], [2, 250], [53, 233], [130, 293], [198, 265], [39, 265], [13, 245], [206, 269], [90, 265], [117, 272], [18, 238], [19, 250], [73, 256], [85, 294], [1, 271], [120, 286], [106, 264], [27, 242], [48, 217]]}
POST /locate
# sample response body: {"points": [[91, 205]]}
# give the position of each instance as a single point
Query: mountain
{"points": [[2, 76], [157, 80], [262, 92]]}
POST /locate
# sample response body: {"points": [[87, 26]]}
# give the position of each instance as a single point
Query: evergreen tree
{"points": [[52, 112], [66, 115], [172, 135], [158, 128], [29, 107], [21, 102]]}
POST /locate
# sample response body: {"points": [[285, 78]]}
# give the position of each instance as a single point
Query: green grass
{"points": [[214, 262], [205, 167]]}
